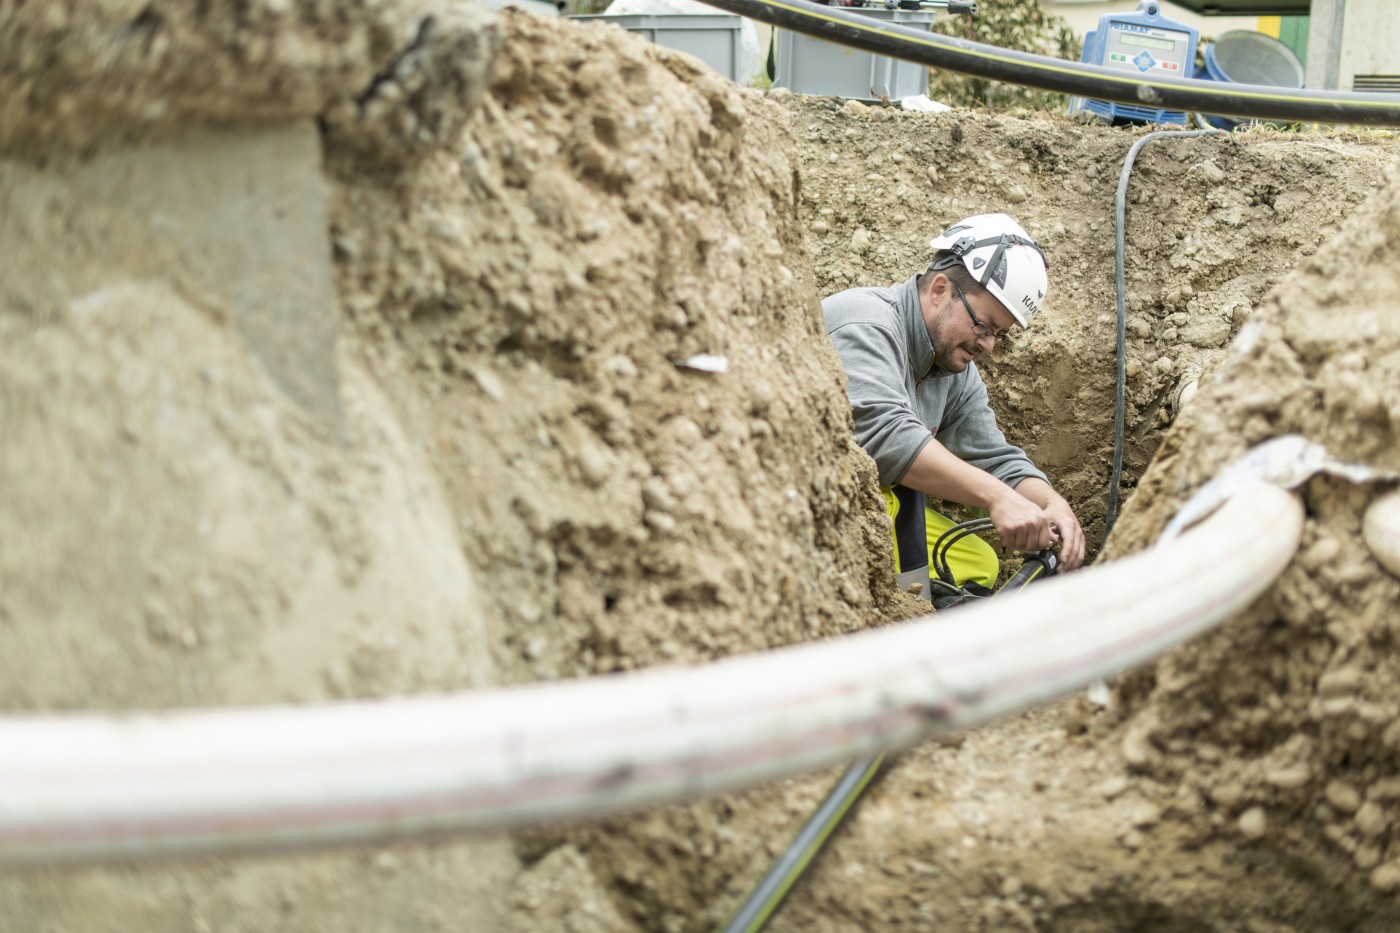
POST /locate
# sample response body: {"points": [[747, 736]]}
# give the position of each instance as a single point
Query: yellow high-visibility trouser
{"points": [[917, 527]]}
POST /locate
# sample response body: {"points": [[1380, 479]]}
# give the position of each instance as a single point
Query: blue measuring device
{"points": [[1143, 44]]}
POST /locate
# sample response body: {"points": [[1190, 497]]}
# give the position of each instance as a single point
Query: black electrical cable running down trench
{"points": [[1052, 74], [755, 912], [1121, 344]]}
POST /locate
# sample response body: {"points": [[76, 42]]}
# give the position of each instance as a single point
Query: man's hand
{"points": [[1023, 525], [1066, 527], [1029, 517], [1060, 517]]}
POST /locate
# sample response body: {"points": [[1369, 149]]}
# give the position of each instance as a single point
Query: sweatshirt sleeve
{"points": [[970, 431], [885, 424]]}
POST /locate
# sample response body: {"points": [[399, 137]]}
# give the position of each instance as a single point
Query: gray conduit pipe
{"points": [[1120, 384], [117, 786]]}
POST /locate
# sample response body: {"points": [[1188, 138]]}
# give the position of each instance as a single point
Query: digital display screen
{"points": [[1146, 42]]}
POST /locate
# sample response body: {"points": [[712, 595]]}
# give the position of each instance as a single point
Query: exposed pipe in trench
{"points": [[117, 786]]}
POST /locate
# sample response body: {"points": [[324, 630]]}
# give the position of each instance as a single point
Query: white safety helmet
{"points": [[1001, 256]]}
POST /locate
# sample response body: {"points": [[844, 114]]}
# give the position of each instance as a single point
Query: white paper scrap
{"points": [[706, 363]]}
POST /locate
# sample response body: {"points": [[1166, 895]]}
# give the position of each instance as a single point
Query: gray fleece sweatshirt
{"points": [[900, 400]]}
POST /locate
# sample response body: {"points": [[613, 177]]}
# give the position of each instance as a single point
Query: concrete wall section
{"points": [[1370, 41], [235, 220]]}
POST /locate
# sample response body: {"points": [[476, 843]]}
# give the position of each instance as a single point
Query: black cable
{"points": [[969, 528], [1081, 80], [760, 905], [1121, 344], [952, 536], [942, 544]]}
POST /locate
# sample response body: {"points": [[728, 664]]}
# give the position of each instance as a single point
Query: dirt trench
{"points": [[470, 451]]}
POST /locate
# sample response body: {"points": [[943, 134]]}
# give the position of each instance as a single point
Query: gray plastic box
{"points": [[711, 37], [808, 65]]}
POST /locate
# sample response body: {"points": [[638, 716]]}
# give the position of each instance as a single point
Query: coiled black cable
{"points": [[952, 536]]}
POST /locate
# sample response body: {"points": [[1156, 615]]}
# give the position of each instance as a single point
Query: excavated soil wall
{"points": [[351, 352], [1249, 779]]}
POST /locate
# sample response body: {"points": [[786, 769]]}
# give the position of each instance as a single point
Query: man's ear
{"points": [[940, 287]]}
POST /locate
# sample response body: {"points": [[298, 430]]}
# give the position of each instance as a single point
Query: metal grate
{"points": [[1128, 111], [1381, 83]]}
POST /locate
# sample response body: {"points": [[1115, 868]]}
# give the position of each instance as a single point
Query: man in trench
{"points": [[921, 408]]}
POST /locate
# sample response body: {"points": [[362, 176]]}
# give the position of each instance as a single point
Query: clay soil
{"points": [[495, 465]]}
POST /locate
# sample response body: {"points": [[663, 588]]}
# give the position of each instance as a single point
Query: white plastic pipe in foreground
{"points": [[102, 786]]}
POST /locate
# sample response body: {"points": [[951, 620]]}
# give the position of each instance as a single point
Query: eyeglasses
{"points": [[978, 328]]}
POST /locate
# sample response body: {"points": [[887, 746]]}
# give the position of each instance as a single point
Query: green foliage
{"points": [[1009, 24], [584, 7]]}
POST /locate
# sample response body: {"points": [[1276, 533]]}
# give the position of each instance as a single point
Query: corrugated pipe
{"points": [[101, 786], [1054, 74]]}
